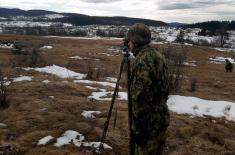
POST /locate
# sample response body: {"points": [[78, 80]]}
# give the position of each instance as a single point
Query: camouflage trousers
{"points": [[154, 146]]}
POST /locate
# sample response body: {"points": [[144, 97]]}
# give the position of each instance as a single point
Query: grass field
{"points": [[37, 109]]}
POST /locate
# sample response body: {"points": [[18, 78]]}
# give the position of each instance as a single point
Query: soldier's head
{"points": [[138, 35]]}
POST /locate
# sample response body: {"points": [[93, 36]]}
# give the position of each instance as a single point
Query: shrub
{"points": [[193, 84], [93, 73], [3, 92], [175, 57]]}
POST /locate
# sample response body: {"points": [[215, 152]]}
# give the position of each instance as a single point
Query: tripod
{"points": [[131, 140]]}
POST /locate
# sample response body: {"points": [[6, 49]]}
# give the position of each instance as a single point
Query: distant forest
{"points": [[213, 25]]}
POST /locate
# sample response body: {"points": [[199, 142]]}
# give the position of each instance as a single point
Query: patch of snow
{"points": [[90, 114], [158, 42], [221, 59], [191, 64], [66, 82], [187, 44], [96, 145], [170, 38], [52, 97], [23, 78], [199, 107], [96, 82], [106, 54], [76, 57], [95, 88], [6, 46], [6, 83], [53, 16], [23, 23], [85, 38], [68, 137], [46, 47], [46, 81], [83, 58], [111, 79], [3, 125], [43, 109], [3, 18], [102, 96], [77, 139], [45, 140], [58, 71], [225, 49], [115, 50]]}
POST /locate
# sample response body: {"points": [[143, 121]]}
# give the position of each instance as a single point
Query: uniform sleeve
{"points": [[141, 98]]}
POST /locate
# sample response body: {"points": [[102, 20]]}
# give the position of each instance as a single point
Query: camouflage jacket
{"points": [[229, 65], [149, 93]]}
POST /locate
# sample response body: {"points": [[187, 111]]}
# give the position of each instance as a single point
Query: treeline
{"points": [[59, 30], [213, 25]]}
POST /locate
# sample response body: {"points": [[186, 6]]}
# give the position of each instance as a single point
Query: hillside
{"points": [[72, 18]]}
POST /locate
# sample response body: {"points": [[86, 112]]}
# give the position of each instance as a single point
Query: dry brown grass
{"points": [[33, 114]]}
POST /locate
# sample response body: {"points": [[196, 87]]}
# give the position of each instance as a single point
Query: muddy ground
{"points": [[33, 114]]}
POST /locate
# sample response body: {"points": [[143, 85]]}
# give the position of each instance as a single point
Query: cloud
{"points": [[185, 11], [190, 4], [100, 1], [176, 6]]}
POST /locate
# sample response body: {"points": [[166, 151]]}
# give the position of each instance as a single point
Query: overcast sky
{"points": [[186, 11]]}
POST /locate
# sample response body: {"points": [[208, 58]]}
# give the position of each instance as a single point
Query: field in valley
{"points": [[38, 109]]}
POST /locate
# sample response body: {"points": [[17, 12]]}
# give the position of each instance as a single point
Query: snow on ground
{"points": [[52, 97], [6, 46], [45, 140], [186, 105], [58, 71], [22, 23], [199, 107], [96, 145], [102, 96], [86, 38], [22, 78], [225, 49], [111, 79], [46, 81], [95, 88], [83, 58], [6, 83], [46, 47], [114, 50], [220, 60], [178, 104], [96, 82], [90, 114], [3, 125], [191, 64], [108, 55], [68, 137], [53, 16], [74, 137]]}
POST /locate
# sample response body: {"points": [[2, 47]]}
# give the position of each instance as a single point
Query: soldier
{"points": [[228, 66], [149, 88]]}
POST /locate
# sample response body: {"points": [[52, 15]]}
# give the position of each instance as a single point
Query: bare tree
{"points": [[175, 57]]}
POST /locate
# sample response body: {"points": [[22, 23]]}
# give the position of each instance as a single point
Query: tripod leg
{"points": [[111, 107]]}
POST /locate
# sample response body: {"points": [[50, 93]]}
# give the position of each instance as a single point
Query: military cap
{"points": [[139, 34]]}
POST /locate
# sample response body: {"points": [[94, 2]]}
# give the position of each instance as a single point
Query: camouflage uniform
{"points": [[149, 92], [228, 66]]}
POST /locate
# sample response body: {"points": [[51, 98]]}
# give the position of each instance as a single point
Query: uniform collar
{"points": [[137, 50]]}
